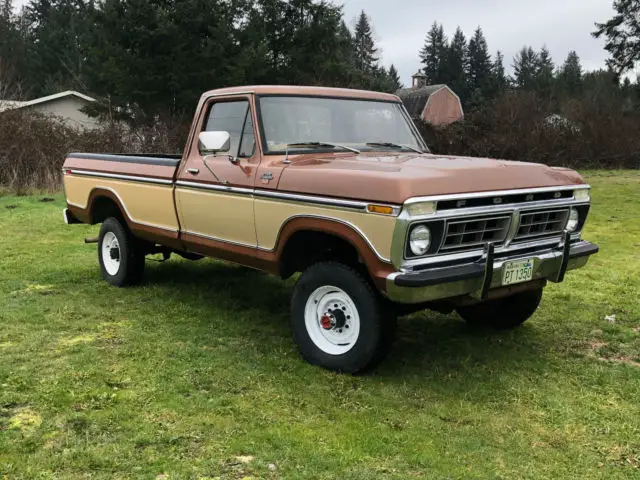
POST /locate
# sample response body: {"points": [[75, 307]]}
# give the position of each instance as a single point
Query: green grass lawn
{"points": [[194, 374]]}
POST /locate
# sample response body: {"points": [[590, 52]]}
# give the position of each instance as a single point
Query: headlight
{"points": [[583, 194], [419, 240], [574, 220], [421, 208]]}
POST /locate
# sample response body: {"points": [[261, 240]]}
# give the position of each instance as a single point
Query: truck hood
{"points": [[394, 178]]}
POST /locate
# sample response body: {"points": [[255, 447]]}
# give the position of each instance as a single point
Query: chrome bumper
{"points": [[478, 278]]}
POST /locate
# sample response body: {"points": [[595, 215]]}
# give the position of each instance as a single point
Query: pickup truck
{"points": [[339, 186]]}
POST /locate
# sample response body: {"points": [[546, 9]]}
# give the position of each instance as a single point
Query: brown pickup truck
{"points": [[338, 185]]}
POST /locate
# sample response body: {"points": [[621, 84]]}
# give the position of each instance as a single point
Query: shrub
{"points": [[33, 147], [581, 134]]}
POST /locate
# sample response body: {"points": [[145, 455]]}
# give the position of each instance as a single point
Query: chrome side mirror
{"points": [[210, 143]]}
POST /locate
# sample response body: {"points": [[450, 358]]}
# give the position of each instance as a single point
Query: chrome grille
{"points": [[541, 223], [475, 232]]}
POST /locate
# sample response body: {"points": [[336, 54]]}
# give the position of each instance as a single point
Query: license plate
{"points": [[517, 272]]}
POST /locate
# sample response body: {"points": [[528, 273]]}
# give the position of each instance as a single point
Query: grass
{"points": [[194, 374]]}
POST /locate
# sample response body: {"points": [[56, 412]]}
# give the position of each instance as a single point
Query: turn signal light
{"points": [[382, 209]]}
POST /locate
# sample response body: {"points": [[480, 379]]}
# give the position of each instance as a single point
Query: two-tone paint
{"points": [[247, 209]]}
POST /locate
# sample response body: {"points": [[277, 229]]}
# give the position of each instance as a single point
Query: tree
{"points": [[59, 34], [433, 54], [499, 81], [544, 72], [366, 52], [525, 68], [154, 59], [6, 10], [479, 75], [622, 35], [395, 78], [13, 54], [570, 75], [601, 86], [456, 65]]}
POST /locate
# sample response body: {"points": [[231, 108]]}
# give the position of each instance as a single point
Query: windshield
{"points": [[366, 125]]}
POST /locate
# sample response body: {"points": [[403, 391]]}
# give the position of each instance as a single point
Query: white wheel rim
{"points": [[110, 248], [332, 320]]}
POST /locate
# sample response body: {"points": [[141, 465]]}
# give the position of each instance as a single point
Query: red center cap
{"points": [[325, 321]]}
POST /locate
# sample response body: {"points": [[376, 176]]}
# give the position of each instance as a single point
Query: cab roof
{"points": [[304, 91]]}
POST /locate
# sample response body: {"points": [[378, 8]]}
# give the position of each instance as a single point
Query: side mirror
{"points": [[210, 143]]}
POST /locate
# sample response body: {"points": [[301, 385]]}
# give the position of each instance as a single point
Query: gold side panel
{"points": [[272, 214], [144, 203], [221, 215]]}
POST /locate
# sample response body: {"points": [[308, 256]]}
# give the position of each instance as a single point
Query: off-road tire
{"points": [[130, 258], [503, 313], [376, 327]]}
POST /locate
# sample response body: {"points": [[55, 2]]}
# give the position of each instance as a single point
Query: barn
{"points": [[434, 104]]}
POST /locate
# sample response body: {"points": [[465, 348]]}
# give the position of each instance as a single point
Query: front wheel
{"points": [[338, 321], [503, 313], [120, 256]]}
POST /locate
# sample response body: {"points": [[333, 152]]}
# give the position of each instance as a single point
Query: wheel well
{"points": [[307, 247], [104, 207]]}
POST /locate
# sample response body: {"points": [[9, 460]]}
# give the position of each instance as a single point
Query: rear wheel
{"points": [[338, 320], [503, 313], [119, 253]]}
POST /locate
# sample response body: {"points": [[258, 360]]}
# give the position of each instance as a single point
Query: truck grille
{"points": [[474, 232], [541, 223]]}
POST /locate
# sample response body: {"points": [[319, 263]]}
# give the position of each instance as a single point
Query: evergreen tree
{"points": [[601, 86], [570, 75], [13, 54], [544, 72], [456, 65], [433, 54], [622, 35], [366, 52], [395, 78], [6, 10], [525, 68], [381, 81], [499, 81], [479, 76], [156, 58], [60, 32], [316, 44]]}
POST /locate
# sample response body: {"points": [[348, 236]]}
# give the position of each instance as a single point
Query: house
{"points": [[64, 105], [435, 104]]}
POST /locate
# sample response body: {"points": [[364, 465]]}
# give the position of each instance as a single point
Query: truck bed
{"points": [[141, 184]]}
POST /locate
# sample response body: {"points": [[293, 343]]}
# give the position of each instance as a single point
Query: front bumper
{"points": [[478, 278]]}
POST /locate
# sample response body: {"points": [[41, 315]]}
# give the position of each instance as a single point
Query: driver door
{"points": [[214, 192]]}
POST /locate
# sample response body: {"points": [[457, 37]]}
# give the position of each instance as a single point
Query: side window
{"points": [[231, 117], [248, 143]]}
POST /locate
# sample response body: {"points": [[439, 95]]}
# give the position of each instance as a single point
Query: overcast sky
{"points": [[562, 25]]}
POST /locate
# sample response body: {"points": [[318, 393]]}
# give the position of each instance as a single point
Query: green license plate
{"points": [[517, 272]]}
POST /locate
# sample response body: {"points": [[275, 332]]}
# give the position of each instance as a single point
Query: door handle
{"points": [[193, 171]]}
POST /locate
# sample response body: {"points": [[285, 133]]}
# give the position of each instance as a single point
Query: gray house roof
{"points": [[415, 99]]}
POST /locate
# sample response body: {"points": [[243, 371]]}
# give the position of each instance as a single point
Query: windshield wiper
{"points": [[321, 145], [393, 145]]}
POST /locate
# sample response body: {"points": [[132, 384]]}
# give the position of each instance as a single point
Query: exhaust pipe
{"points": [[92, 240]]}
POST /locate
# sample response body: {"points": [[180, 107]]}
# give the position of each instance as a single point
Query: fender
{"points": [[141, 230], [378, 268]]}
